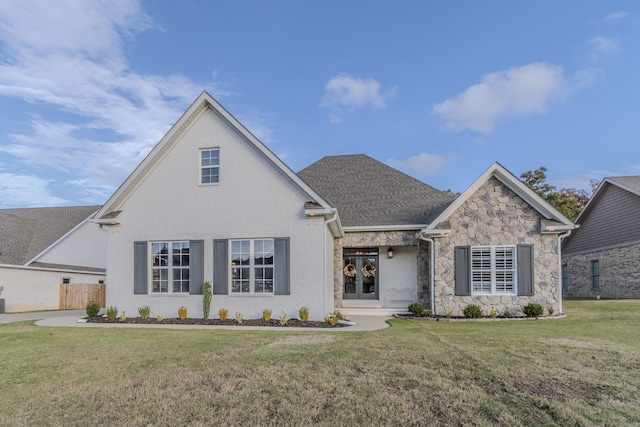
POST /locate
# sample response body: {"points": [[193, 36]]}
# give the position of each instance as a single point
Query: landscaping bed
{"points": [[291, 323]]}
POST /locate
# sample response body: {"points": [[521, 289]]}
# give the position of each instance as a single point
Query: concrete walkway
{"points": [[70, 318]]}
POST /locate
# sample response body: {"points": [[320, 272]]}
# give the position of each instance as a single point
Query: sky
{"points": [[437, 89]]}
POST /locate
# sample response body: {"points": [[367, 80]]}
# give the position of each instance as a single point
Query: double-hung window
{"points": [[493, 270], [170, 267], [252, 266], [210, 166]]}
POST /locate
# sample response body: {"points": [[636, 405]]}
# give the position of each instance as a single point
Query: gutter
{"points": [[560, 237], [333, 218], [432, 274]]}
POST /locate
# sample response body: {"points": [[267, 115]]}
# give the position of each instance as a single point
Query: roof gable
{"points": [[553, 220], [108, 214], [371, 195]]}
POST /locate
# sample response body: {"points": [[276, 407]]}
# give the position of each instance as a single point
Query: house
{"points": [[212, 203], [601, 259], [40, 248]]}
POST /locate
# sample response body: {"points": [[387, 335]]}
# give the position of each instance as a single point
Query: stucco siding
{"points": [[495, 215], [86, 246], [619, 273], [27, 289], [252, 200]]}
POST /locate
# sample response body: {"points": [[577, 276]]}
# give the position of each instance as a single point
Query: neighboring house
{"points": [[602, 257], [211, 202], [40, 248]]}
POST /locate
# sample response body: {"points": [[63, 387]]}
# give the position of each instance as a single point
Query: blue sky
{"points": [[439, 90]]}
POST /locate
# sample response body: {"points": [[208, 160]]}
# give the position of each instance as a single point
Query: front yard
{"points": [[581, 370]]}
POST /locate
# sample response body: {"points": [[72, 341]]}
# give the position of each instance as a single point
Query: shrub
{"points": [[160, 318], [506, 313], [207, 293], [144, 311], [182, 312], [331, 319], [533, 310], [123, 317], [266, 314], [550, 310], [112, 313], [283, 319], [472, 311], [449, 313], [336, 313], [416, 309], [304, 314], [223, 314], [493, 313], [92, 308], [239, 318], [428, 312]]}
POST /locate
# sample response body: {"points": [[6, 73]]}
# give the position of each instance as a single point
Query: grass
{"points": [[581, 370]]}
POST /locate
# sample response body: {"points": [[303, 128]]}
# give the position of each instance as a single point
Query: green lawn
{"points": [[580, 370]]}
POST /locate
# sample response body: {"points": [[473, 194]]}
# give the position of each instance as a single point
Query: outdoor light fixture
{"points": [[390, 252]]}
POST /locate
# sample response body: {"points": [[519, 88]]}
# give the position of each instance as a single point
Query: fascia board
{"points": [[402, 227]]}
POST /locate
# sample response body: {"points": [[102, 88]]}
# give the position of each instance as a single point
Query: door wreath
{"points": [[369, 270], [350, 270]]}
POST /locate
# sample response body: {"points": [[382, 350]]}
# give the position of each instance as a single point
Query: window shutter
{"points": [[196, 266], [525, 270], [140, 285], [281, 266], [462, 261], [220, 265]]}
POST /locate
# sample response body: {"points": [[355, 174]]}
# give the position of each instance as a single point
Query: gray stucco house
{"points": [[602, 257]]}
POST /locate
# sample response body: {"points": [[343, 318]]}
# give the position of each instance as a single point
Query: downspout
{"points": [[432, 286], [560, 237], [324, 260]]}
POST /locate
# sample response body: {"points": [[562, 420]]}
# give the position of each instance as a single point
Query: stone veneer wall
{"points": [[619, 273], [495, 215], [370, 239]]}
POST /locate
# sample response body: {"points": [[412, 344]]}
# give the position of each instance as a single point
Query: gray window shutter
{"points": [[525, 270], [140, 285], [462, 261], [281, 266], [220, 265], [196, 266]]}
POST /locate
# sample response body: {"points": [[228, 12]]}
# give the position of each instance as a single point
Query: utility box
{"points": [[1, 305]]}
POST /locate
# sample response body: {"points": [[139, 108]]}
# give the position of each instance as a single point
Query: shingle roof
{"points": [[26, 232], [369, 193], [632, 182]]}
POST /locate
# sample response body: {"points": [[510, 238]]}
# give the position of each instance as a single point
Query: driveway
{"points": [[38, 315]]}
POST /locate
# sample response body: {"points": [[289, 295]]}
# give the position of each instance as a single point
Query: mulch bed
{"points": [[291, 323]]}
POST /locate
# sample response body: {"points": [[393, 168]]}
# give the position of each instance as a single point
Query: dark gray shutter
{"points": [[220, 265], [196, 266], [462, 262], [281, 266], [525, 270], [140, 285]]}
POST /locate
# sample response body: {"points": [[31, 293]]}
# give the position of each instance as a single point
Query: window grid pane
{"points": [[493, 269], [252, 266], [169, 260], [210, 166]]}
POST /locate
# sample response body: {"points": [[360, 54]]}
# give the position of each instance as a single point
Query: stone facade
{"points": [[619, 273], [495, 215], [382, 240]]}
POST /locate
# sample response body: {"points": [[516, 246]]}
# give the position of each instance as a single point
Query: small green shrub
{"points": [[416, 309], [283, 319], [472, 311], [533, 310], [304, 314], [160, 318], [182, 312], [92, 308], [449, 313], [550, 310], [239, 318], [506, 313], [428, 312], [112, 313], [207, 294], [336, 313], [144, 311]]}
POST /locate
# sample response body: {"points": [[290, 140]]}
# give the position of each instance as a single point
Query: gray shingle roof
{"points": [[26, 232], [632, 182], [369, 193]]}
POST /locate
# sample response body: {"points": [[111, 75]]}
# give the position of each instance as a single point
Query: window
{"points": [[210, 166], [565, 277], [252, 266], [493, 269], [170, 267], [66, 280], [595, 274]]}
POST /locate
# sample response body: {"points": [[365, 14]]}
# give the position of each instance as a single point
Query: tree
{"points": [[569, 201]]}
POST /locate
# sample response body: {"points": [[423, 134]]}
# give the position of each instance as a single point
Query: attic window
{"points": [[210, 166]]}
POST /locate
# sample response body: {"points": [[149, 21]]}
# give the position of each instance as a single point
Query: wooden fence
{"points": [[75, 296]]}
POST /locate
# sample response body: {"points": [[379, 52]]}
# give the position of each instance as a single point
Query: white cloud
{"points": [[345, 94], [26, 191], [69, 55], [518, 91], [602, 47], [420, 164], [614, 16]]}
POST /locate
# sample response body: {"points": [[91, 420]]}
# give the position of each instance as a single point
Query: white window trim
{"points": [[493, 271], [200, 167], [252, 267], [169, 268]]}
